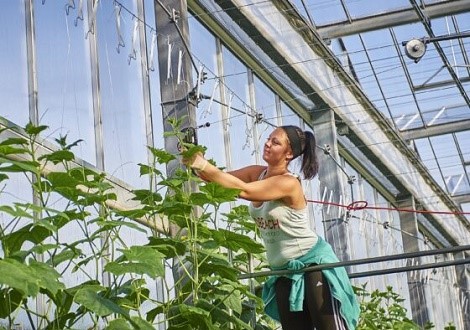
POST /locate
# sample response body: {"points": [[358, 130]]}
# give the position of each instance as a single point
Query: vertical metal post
{"points": [[329, 176], [144, 65], [32, 64], [174, 61], [463, 283], [91, 35], [33, 116], [409, 225]]}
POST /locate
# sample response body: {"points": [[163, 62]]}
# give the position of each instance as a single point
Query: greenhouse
{"points": [[106, 221]]}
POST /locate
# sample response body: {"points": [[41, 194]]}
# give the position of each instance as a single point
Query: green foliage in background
{"points": [[383, 310]]}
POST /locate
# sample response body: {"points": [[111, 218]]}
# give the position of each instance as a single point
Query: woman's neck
{"points": [[273, 171]]}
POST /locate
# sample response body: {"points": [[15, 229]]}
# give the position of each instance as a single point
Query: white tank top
{"points": [[285, 231]]}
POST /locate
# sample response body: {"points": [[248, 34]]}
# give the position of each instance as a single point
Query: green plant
{"points": [[37, 255], [383, 310]]}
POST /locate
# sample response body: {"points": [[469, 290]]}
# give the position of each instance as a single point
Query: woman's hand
{"points": [[197, 162]]}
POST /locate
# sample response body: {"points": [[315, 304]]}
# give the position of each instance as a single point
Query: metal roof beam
{"points": [[461, 199], [439, 129], [390, 19]]}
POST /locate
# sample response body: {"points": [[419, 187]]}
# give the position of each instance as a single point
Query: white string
{"points": [[117, 15], [180, 65], [152, 50], [135, 34], [92, 19], [208, 110], [227, 122], [249, 126], [199, 81], [168, 63]]}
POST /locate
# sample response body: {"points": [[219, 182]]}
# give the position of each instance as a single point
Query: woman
{"points": [[323, 300]]}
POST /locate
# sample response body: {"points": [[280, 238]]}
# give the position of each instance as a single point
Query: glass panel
{"points": [[265, 105], [121, 94], [154, 77], [13, 67], [209, 110], [64, 82], [359, 8], [322, 12], [240, 124], [425, 152], [449, 162]]}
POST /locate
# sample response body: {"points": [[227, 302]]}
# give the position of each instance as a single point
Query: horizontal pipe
{"points": [[410, 268], [451, 249]]}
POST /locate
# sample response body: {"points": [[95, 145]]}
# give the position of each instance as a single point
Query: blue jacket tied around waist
{"points": [[337, 278]]}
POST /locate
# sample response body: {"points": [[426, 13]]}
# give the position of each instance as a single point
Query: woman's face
{"points": [[277, 148]]}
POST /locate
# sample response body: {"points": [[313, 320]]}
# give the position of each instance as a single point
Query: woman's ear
{"points": [[289, 156]]}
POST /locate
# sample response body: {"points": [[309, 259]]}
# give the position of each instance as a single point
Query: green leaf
{"points": [[9, 150], [10, 300], [17, 212], [146, 196], [65, 255], [13, 141], [62, 179], [19, 166], [47, 276], [14, 241], [145, 170], [18, 276], [218, 194], [222, 316], [141, 324], [168, 246], [216, 264], [162, 156], [96, 303], [152, 314], [108, 224], [200, 199], [58, 156], [139, 260], [119, 324], [3, 177], [196, 317], [95, 198], [34, 130], [235, 241]]}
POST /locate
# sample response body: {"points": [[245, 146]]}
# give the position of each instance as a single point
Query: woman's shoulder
{"points": [[249, 173]]}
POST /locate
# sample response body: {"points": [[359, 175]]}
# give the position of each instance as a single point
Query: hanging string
{"points": [[208, 110], [135, 34], [71, 5], [117, 14], [227, 123], [168, 63], [92, 19], [152, 50], [249, 127], [179, 72]]}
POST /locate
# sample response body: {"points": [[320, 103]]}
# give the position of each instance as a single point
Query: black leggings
{"points": [[320, 310]]}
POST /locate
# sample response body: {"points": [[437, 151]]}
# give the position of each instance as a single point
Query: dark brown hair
{"points": [[303, 143]]}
